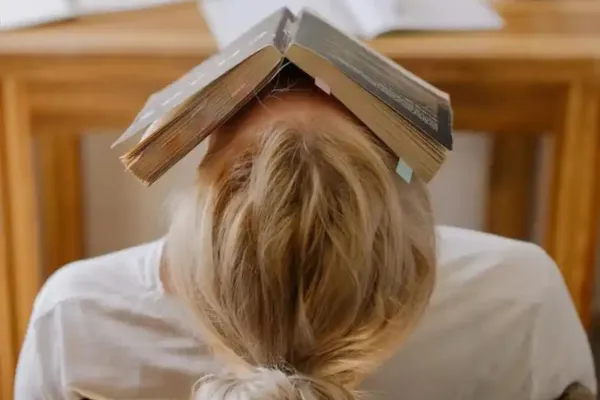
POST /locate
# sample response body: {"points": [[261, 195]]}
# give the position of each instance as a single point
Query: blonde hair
{"points": [[305, 258]]}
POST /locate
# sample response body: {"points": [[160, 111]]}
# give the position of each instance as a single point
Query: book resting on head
{"points": [[410, 116]]}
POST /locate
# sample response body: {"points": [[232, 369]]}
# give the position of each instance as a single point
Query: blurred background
{"points": [[524, 75]]}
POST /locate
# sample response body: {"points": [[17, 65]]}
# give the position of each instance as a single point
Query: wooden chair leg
{"points": [[7, 324], [20, 224], [511, 186], [573, 213], [62, 218]]}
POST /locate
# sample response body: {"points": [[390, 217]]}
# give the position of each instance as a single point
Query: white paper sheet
{"points": [[84, 7], [380, 16], [228, 19], [23, 13]]}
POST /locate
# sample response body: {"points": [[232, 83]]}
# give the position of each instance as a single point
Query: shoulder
{"points": [[102, 326], [456, 242], [496, 266], [499, 309], [512, 292], [120, 274]]}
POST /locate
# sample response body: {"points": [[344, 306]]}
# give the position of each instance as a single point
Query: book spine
{"points": [[285, 31]]}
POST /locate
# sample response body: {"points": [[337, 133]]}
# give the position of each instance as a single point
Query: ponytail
{"points": [[300, 247]]}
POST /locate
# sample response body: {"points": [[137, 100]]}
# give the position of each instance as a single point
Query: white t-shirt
{"points": [[501, 325]]}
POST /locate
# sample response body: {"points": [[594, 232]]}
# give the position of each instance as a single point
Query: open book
{"points": [[411, 117], [363, 18]]}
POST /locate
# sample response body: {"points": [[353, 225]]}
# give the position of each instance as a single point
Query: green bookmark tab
{"points": [[404, 171]]}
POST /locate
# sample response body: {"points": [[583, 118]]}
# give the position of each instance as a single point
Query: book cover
{"points": [[271, 31], [416, 100]]}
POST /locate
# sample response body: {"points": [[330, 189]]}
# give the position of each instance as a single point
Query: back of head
{"points": [[304, 256]]}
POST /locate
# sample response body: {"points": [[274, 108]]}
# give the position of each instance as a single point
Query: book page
{"points": [[376, 17], [228, 19], [23, 13]]}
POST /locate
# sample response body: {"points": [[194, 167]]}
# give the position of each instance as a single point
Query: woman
{"points": [[302, 263], [305, 258]]}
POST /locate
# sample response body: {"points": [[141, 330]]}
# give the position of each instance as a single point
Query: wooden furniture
{"points": [[540, 75]]}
